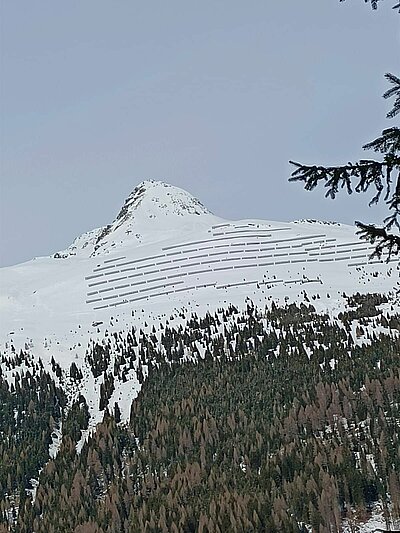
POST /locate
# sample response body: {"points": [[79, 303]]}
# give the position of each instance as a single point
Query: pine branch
{"points": [[389, 142], [368, 173], [384, 242], [374, 4], [393, 91], [394, 205], [360, 177]]}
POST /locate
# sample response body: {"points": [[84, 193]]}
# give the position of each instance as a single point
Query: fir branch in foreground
{"points": [[382, 176], [374, 4], [358, 177], [393, 91], [385, 243]]}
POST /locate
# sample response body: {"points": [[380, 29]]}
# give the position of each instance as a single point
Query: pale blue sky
{"points": [[212, 96]]}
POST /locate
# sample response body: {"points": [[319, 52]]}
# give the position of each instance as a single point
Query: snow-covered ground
{"points": [[375, 523], [164, 257], [166, 252]]}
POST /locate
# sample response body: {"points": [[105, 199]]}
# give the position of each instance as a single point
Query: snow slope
{"points": [[154, 211], [163, 252]]}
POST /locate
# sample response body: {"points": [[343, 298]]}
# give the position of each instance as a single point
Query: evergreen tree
{"points": [[383, 176]]}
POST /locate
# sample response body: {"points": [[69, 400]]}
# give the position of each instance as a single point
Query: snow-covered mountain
{"points": [[165, 250], [164, 253], [154, 211], [95, 317]]}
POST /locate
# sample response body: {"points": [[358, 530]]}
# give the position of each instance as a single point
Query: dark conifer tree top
{"points": [[382, 176]]}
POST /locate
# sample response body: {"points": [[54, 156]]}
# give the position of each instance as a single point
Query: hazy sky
{"points": [[212, 96]]}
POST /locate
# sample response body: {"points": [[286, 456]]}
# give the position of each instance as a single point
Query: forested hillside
{"points": [[279, 420]]}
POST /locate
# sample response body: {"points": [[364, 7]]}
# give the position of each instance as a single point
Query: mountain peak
{"points": [[152, 212], [155, 197]]}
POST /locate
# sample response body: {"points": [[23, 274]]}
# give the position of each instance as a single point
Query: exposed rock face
{"points": [[151, 212]]}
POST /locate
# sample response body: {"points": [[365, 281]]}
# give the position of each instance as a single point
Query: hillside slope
{"points": [[166, 251], [172, 350]]}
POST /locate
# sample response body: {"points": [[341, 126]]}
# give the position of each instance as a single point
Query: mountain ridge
{"points": [[152, 206], [186, 260], [98, 345], [167, 250]]}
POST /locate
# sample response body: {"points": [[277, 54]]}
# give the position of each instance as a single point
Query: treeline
{"points": [[30, 409], [276, 421]]}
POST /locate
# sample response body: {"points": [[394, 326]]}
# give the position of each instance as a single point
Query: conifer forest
{"points": [[276, 420]]}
